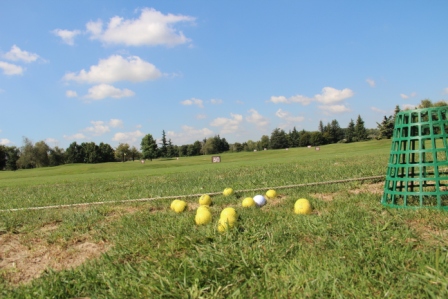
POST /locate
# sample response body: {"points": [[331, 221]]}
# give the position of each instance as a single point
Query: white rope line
{"points": [[191, 195]]}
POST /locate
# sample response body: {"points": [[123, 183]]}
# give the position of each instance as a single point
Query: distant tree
{"points": [[148, 147], [107, 153], [2, 157], [350, 132], [278, 139], [316, 138], [163, 145], [183, 150], [237, 147], [56, 156], [321, 127], [211, 146], [27, 157], [305, 138], [264, 142], [360, 130], [294, 137], [170, 150], [134, 153], [91, 152], [426, 103], [12, 157], [41, 151], [386, 127], [122, 152], [74, 153], [336, 133]]}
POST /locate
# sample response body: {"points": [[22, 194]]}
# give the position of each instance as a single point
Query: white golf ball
{"points": [[260, 200]]}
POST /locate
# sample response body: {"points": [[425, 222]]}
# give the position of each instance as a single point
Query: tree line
{"points": [[40, 154]]}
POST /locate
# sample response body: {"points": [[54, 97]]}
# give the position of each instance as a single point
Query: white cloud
{"points": [[67, 36], [4, 141], [256, 118], [229, 125], [239, 102], [193, 101], [71, 94], [378, 110], [101, 91], [329, 95], [15, 54], [371, 82], [76, 136], [116, 68], [201, 116], [116, 123], [294, 99], [152, 28], [332, 95], [216, 101], [285, 115], [128, 137], [329, 109], [445, 91], [403, 96], [189, 135], [98, 128], [10, 69]]}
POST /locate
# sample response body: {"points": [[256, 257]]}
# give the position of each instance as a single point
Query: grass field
{"points": [[350, 247]]}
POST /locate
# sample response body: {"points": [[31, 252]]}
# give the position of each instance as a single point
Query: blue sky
{"points": [[113, 71]]}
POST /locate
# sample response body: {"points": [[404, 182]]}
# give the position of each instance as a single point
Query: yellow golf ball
{"points": [[271, 194], [205, 200], [227, 191], [203, 216], [302, 207], [248, 202]]}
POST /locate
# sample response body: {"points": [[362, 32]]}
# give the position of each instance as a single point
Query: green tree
{"points": [[2, 157], [12, 158], [336, 133], [74, 153], [163, 146], [264, 142], [350, 132], [211, 146], [170, 150], [294, 137], [91, 152], [360, 130], [27, 157], [56, 156], [123, 152], [134, 153], [316, 138], [278, 139], [321, 127], [107, 153], [305, 138], [386, 127], [148, 147]]}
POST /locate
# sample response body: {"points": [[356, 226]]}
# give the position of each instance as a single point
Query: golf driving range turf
{"points": [[349, 247]]}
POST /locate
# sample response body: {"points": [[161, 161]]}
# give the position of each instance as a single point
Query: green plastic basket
{"points": [[417, 173]]}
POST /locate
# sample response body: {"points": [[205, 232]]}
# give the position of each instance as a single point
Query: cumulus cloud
{"points": [[101, 91], [371, 82], [403, 96], [152, 28], [71, 94], [285, 115], [256, 118], [4, 141], [116, 68], [76, 136], [228, 125], [98, 128], [10, 69], [330, 109], [329, 95], [116, 123], [332, 95], [216, 101], [201, 116], [189, 135], [193, 101], [294, 99], [67, 36], [128, 137], [16, 54]]}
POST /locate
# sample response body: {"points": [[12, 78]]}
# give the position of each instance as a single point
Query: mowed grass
{"points": [[350, 247]]}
